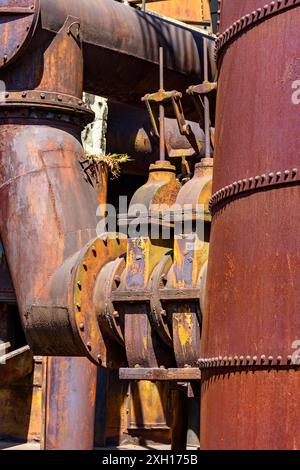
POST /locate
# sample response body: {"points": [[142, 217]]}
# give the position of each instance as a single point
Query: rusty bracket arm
{"points": [[196, 92], [185, 129]]}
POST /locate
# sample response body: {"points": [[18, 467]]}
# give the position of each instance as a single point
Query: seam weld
{"points": [[247, 361], [251, 19], [253, 184]]}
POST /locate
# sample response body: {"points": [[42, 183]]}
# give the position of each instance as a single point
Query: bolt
{"points": [[117, 280], [43, 96], [89, 346], [116, 314], [24, 94], [262, 358], [81, 327], [85, 266], [59, 97], [99, 359], [248, 359], [289, 359], [163, 313], [79, 285], [254, 359], [5, 58], [270, 359], [279, 359], [241, 359]]}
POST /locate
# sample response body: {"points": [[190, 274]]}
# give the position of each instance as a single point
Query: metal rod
{"points": [[206, 102], [162, 147]]}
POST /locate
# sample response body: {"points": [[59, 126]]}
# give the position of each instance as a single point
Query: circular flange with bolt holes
{"points": [[93, 258]]}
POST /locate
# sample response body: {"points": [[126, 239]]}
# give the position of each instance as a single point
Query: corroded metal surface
{"points": [[190, 256], [69, 404], [143, 346], [123, 39], [252, 319], [17, 28], [190, 11]]}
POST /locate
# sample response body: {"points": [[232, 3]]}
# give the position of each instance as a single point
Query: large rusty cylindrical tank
{"points": [[250, 377]]}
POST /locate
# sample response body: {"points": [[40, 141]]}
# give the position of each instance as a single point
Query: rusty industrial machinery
{"points": [[148, 242], [63, 274]]}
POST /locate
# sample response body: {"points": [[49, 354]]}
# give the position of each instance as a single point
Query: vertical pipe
{"points": [[162, 153], [70, 398]]}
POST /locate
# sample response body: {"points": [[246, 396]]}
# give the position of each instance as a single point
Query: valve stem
{"points": [[162, 146]]}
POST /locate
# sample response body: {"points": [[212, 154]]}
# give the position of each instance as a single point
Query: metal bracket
{"points": [[196, 92], [185, 129]]}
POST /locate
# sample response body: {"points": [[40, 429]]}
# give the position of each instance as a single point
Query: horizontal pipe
{"points": [[121, 47]]}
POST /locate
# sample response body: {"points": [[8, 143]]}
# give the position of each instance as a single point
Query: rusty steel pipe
{"points": [[69, 404], [120, 40], [250, 377]]}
